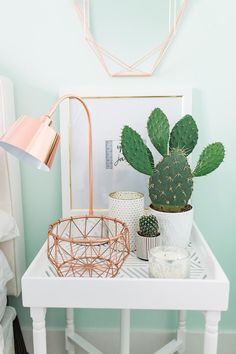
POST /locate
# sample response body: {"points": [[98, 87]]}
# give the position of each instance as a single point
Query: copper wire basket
{"points": [[88, 246]]}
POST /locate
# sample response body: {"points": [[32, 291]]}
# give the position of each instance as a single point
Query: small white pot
{"points": [[175, 228], [144, 244]]}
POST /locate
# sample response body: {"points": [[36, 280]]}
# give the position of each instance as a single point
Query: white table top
{"points": [[206, 289]]}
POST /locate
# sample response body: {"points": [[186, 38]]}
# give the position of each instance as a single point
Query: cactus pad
{"points": [[184, 135], [210, 159], [159, 130], [136, 152], [148, 226], [171, 185]]}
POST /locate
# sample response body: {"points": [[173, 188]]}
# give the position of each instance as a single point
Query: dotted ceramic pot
{"points": [[127, 207]]}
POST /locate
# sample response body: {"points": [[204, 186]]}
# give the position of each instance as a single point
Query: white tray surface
{"points": [[207, 288]]}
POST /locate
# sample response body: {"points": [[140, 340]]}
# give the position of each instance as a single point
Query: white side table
{"points": [[206, 290]]}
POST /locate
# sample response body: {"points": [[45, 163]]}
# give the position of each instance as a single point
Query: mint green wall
{"points": [[42, 50]]}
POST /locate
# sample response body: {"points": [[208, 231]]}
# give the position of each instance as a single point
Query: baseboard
{"points": [[142, 342]]}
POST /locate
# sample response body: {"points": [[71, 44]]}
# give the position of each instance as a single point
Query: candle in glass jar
{"points": [[169, 262]]}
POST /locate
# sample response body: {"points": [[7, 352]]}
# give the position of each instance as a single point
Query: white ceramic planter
{"points": [[128, 207], [175, 228], [144, 244]]}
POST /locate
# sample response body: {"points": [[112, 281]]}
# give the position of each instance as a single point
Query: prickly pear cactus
{"points": [[171, 185], [136, 152], [148, 226], [184, 135], [171, 181]]}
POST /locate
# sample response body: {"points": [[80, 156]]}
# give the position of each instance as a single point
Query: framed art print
{"points": [[110, 111]]}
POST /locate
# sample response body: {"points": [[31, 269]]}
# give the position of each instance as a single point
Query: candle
{"points": [[169, 262], [128, 207]]}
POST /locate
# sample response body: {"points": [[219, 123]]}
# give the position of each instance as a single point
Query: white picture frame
{"points": [[110, 109]]}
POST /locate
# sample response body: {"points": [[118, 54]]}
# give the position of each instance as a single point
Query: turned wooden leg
{"points": [[212, 319], [125, 332], [181, 332], [70, 330], [39, 330]]}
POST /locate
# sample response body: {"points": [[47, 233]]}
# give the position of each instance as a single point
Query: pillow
{"points": [[3, 303], [8, 227], [6, 273]]}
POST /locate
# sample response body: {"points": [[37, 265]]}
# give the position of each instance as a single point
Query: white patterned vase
{"points": [[127, 207]]}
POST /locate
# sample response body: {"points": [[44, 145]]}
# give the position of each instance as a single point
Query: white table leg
{"points": [[125, 332], [39, 330], [181, 332], [212, 319], [70, 330]]}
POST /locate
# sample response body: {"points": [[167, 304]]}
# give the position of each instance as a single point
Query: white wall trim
{"points": [[142, 341]]}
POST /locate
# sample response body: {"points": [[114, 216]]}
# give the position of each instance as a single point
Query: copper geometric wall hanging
{"points": [[151, 59]]}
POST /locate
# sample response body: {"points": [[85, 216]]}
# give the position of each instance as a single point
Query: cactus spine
{"points": [[148, 226], [171, 181]]}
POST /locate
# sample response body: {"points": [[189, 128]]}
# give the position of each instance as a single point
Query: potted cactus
{"points": [[148, 236], [171, 179]]}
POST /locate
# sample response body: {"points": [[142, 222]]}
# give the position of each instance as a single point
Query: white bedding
{"points": [[6, 332], [5, 275], [8, 227], [6, 314], [3, 302], [5, 272]]}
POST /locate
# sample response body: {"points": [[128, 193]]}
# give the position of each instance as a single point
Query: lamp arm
{"points": [[51, 112]]}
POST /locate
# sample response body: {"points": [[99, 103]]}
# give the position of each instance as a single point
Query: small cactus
{"points": [[148, 226], [171, 181]]}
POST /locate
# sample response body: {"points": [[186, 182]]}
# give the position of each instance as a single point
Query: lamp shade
{"points": [[32, 140]]}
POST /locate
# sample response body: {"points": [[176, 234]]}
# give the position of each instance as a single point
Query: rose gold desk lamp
{"points": [[77, 246]]}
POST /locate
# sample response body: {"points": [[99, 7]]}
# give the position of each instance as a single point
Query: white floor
{"points": [[141, 342]]}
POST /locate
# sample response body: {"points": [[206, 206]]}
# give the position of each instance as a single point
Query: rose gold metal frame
{"points": [[134, 68]]}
